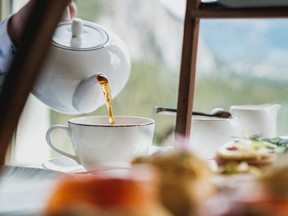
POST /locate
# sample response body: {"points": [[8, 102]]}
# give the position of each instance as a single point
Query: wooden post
{"points": [[188, 71]]}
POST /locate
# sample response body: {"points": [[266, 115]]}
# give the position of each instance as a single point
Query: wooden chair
{"points": [[26, 65]]}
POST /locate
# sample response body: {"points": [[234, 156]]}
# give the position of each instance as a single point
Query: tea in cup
{"points": [[96, 142]]}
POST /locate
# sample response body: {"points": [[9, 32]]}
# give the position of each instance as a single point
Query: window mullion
{"points": [[5, 8]]}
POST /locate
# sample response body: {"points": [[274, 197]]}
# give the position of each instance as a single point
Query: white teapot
{"points": [[79, 51], [257, 119]]}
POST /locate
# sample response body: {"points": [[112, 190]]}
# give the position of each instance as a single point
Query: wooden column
{"points": [[188, 70]]}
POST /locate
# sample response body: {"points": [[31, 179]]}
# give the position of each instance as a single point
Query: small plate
{"points": [[63, 164], [68, 165]]}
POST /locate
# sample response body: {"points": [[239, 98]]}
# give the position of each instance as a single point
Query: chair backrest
{"points": [[25, 66]]}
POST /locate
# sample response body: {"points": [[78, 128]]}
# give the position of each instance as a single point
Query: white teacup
{"points": [[98, 143], [209, 133]]}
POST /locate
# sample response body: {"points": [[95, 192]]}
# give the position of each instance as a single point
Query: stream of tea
{"points": [[105, 85]]}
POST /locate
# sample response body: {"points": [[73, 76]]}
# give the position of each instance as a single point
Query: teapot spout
{"points": [[87, 96]]}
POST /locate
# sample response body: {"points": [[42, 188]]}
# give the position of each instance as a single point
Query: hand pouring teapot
{"points": [[79, 51], [257, 119]]}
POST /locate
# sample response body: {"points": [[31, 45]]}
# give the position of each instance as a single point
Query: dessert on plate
{"points": [[254, 152]]}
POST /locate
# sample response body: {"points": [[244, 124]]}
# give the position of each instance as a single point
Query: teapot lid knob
{"points": [[78, 35], [76, 27]]}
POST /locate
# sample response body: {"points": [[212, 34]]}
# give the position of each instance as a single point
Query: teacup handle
{"points": [[49, 141]]}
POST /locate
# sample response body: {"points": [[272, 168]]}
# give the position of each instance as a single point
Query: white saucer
{"points": [[63, 164], [68, 165]]}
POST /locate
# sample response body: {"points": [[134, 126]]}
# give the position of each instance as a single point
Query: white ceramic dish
{"points": [[63, 164], [253, 3], [67, 165], [95, 141]]}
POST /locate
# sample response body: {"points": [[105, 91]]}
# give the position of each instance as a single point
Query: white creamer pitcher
{"points": [[257, 119]]}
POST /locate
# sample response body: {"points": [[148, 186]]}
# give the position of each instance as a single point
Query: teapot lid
{"points": [[79, 35]]}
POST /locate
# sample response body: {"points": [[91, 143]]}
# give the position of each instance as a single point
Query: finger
{"points": [[72, 9]]}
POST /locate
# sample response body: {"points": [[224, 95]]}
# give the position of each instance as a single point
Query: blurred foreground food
{"points": [[257, 171], [252, 151], [164, 184], [185, 180], [134, 194], [266, 195], [178, 183]]}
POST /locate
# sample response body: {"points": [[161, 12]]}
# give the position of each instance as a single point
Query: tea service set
{"points": [[81, 52], [87, 66], [210, 131]]}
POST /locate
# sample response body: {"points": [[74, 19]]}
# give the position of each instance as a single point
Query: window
{"points": [[243, 62], [239, 62]]}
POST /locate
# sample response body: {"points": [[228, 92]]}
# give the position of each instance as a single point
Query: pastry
{"points": [[184, 180], [253, 152]]}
